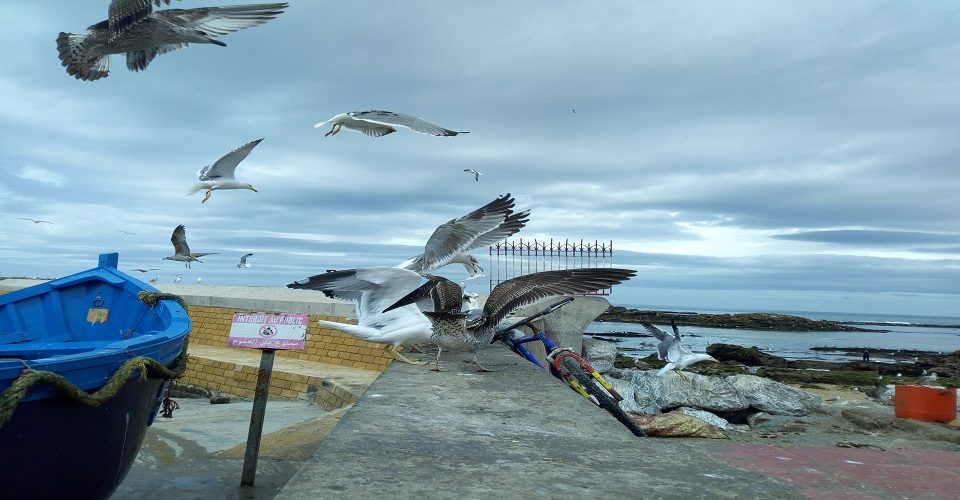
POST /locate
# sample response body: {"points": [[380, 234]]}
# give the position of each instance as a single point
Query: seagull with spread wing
{"points": [[141, 270], [375, 123], [453, 240], [476, 173], [221, 175], [134, 28], [36, 221], [243, 261], [453, 329], [672, 351], [181, 251], [371, 290]]}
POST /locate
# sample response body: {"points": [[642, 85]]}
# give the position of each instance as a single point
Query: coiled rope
{"points": [[147, 368]]}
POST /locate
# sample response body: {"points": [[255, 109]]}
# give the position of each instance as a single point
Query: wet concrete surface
{"points": [[199, 452]]}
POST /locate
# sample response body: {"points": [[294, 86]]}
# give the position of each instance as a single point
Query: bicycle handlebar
{"points": [[527, 320]]}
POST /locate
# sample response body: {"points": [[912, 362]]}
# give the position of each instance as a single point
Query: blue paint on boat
{"points": [[83, 327]]}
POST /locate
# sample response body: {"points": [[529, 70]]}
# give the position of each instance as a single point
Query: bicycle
{"points": [[567, 365]]}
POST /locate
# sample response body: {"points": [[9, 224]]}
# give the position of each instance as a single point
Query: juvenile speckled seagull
{"points": [[675, 354], [371, 290], [375, 123], [134, 28], [453, 240], [181, 251], [221, 175], [453, 330]]}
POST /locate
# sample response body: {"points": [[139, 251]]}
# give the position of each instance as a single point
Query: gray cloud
{"points": [[728, 144]]}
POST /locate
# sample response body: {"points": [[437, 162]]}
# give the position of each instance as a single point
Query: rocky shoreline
{"points": [[745, 321]]}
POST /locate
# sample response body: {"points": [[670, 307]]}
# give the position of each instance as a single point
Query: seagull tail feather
{"points": [[194, 189]]}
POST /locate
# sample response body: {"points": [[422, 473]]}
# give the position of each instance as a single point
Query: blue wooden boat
{"points": [[83, 327]]}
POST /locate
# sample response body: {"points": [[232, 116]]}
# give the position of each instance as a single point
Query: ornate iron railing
{"points": [[509, 259]]}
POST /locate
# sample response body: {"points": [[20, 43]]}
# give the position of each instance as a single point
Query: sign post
{"points": [[268, 332]]}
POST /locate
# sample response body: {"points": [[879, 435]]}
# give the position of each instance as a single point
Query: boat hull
{"points": [[83, 452]]}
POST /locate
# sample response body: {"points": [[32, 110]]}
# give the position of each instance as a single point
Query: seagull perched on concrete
{"points": [[221, 175], [177, 279], [132, 27], [453, 330], [36, 221], [371, 290], [181, 251], [243, 261], [670, 350], [375, 123], [453, 240], [476, 173]]}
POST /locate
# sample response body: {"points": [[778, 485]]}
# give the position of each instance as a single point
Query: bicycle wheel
{"points": [[603, 398]]}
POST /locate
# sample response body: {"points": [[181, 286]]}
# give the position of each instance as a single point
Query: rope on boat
{"points": [[147, 368]]}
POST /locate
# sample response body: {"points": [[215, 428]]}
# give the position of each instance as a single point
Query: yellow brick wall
{"points": [[211, 326], [241, 380]]}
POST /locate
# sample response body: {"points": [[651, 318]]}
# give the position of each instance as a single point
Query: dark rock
{"points": [[747, 321], [750, 356]]}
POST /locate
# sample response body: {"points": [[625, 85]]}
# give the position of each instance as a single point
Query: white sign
{"points": [[268, 330]]}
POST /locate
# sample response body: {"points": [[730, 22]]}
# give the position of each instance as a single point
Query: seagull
{"points": [[36, 221], [372, 289], [670, 350], [178, 278], [141, 270], [476, 174], [453, 329], [127, 232], [220, 175], [380, 123], [453, 240], [154, 280], [199, 279], [132, 27], [181, 251], [243, 261]]}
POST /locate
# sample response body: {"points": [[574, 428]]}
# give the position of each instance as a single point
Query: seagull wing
{"points": [[666, 340], [446, 295], [511, 225], [225, 167], [216, 21], [243, 259], [372, 289], [459, 235], [138, 60], [125, 13], [179, 240], [403, 120], [518, 292]]}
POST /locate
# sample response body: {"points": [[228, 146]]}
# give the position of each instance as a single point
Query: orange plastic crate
{"points": [[925, 403]]}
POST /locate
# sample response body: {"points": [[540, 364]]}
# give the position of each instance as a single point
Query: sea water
{"points": [[903, 332]]}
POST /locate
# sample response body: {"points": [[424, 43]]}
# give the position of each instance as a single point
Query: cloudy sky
{"points": [[740, 155]]}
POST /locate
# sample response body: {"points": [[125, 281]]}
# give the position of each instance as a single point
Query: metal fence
{"points": [[509, 259]]}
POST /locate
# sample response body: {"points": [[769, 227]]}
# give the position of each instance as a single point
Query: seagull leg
{"points": [[683, 376], [480, 368], [436, 368], [207, 197], [333, 130], [392, 349]]}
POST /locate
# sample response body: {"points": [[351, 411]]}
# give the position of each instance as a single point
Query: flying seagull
{"points": [[476, 174], [371, 290], [134, 28], [141, 270], [453, 240], [672, 351], [127, 232], [220, 175], [36, 221], [380, 123], [181, 251], [243, 261], [454, 330]]}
